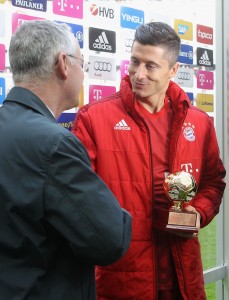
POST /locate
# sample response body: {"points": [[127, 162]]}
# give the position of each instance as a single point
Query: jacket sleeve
{"points": [[212, 184], [84, 131], [80, 206]]}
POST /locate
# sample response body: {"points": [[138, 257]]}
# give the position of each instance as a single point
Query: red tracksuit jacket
{"points": [[117, 140]]}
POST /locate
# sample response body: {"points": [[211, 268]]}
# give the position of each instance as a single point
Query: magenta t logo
{"points": [[97, 92], [69, 8], [205, 80], [2, 57], [124, 68], [19, 19]]}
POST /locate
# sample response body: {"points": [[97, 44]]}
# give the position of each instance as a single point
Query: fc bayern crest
{"points": [[188, 131]]}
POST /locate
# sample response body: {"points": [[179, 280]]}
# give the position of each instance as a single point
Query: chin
{"points": [[140, 94], [74, 103]]}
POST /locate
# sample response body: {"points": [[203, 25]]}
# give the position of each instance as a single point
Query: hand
{"points": [[189, 235]]}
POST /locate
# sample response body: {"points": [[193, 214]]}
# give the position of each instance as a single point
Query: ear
{"points": [[61, 66], [173, 70]]}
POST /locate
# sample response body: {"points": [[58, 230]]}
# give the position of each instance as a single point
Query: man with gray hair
{"points": [[57, 218]]}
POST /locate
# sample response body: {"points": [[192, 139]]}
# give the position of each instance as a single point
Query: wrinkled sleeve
{"points": [[81, 208]]}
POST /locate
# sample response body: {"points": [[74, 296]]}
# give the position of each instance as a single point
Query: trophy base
{"points": [[181, 228], [182, 221]]}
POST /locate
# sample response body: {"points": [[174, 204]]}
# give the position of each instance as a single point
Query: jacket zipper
{"points": [[176, 246], [152, 202]]}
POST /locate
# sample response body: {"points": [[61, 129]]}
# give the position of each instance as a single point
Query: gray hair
{"points": [[162, 35], [34, 48]]}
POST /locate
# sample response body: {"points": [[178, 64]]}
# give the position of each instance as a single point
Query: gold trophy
{"points": [[180, 187]]}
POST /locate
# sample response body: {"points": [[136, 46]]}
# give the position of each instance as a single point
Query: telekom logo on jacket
{"points": [[204, 34]]}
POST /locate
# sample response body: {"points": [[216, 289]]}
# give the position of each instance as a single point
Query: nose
{"points": [[141, 71]]}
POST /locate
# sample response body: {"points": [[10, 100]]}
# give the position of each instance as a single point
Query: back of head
{"points": [[162, 35], [34, 48]]}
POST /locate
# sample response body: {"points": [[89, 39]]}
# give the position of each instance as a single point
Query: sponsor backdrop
{"points": [[105, 31]]}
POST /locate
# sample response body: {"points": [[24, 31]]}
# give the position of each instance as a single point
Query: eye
{"points": [[150, 67], [134, 61]]}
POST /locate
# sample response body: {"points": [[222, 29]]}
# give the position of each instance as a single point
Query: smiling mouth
{"points": [[139, 84]]}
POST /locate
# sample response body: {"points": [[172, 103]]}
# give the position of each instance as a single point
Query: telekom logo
{"points": [[124, 65], [70, 8], [188, 168], [97, 92], [19, 19], [205, 80], [2, 57], [202, 79]]}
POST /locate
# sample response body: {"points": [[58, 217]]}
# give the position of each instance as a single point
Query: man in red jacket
{"points": [[134, 138]]}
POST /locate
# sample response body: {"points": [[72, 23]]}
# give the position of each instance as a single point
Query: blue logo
{"points": [[131, 18], [66, 120], [182, 29], [77, 31], [186, 54], [40, 5], [191, 97], [2, 90]]}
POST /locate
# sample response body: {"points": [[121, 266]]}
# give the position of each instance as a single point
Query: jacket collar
{"points": [[180, 105], [27, 98], [177, 96]]}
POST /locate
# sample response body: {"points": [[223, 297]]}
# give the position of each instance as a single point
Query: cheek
{"points": [[131, 73], [80, 80], [130, 69], [81, 75]]}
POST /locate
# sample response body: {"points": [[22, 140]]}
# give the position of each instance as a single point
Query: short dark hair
{"points": [[162, 35]]}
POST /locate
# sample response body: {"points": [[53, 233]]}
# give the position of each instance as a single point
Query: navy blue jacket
{"points": [[57, 217]]}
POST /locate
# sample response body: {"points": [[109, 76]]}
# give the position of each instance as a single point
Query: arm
{"points": [[81, 207], [212, 185], [207, 201], [84, 131]]}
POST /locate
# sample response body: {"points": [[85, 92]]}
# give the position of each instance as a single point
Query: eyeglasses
{"points": [[84, 65]]}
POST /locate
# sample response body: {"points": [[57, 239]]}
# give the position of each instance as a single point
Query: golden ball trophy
{"points": [[180, 187]]}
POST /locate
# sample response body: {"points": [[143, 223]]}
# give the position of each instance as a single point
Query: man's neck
{"points": [[46, 95], [151, 105]]}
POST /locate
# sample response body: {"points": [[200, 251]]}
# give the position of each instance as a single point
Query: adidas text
{"points": [[122, 125], [204, 59]]}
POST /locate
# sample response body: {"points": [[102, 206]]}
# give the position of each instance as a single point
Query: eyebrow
{"points": [[147, 62]]}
